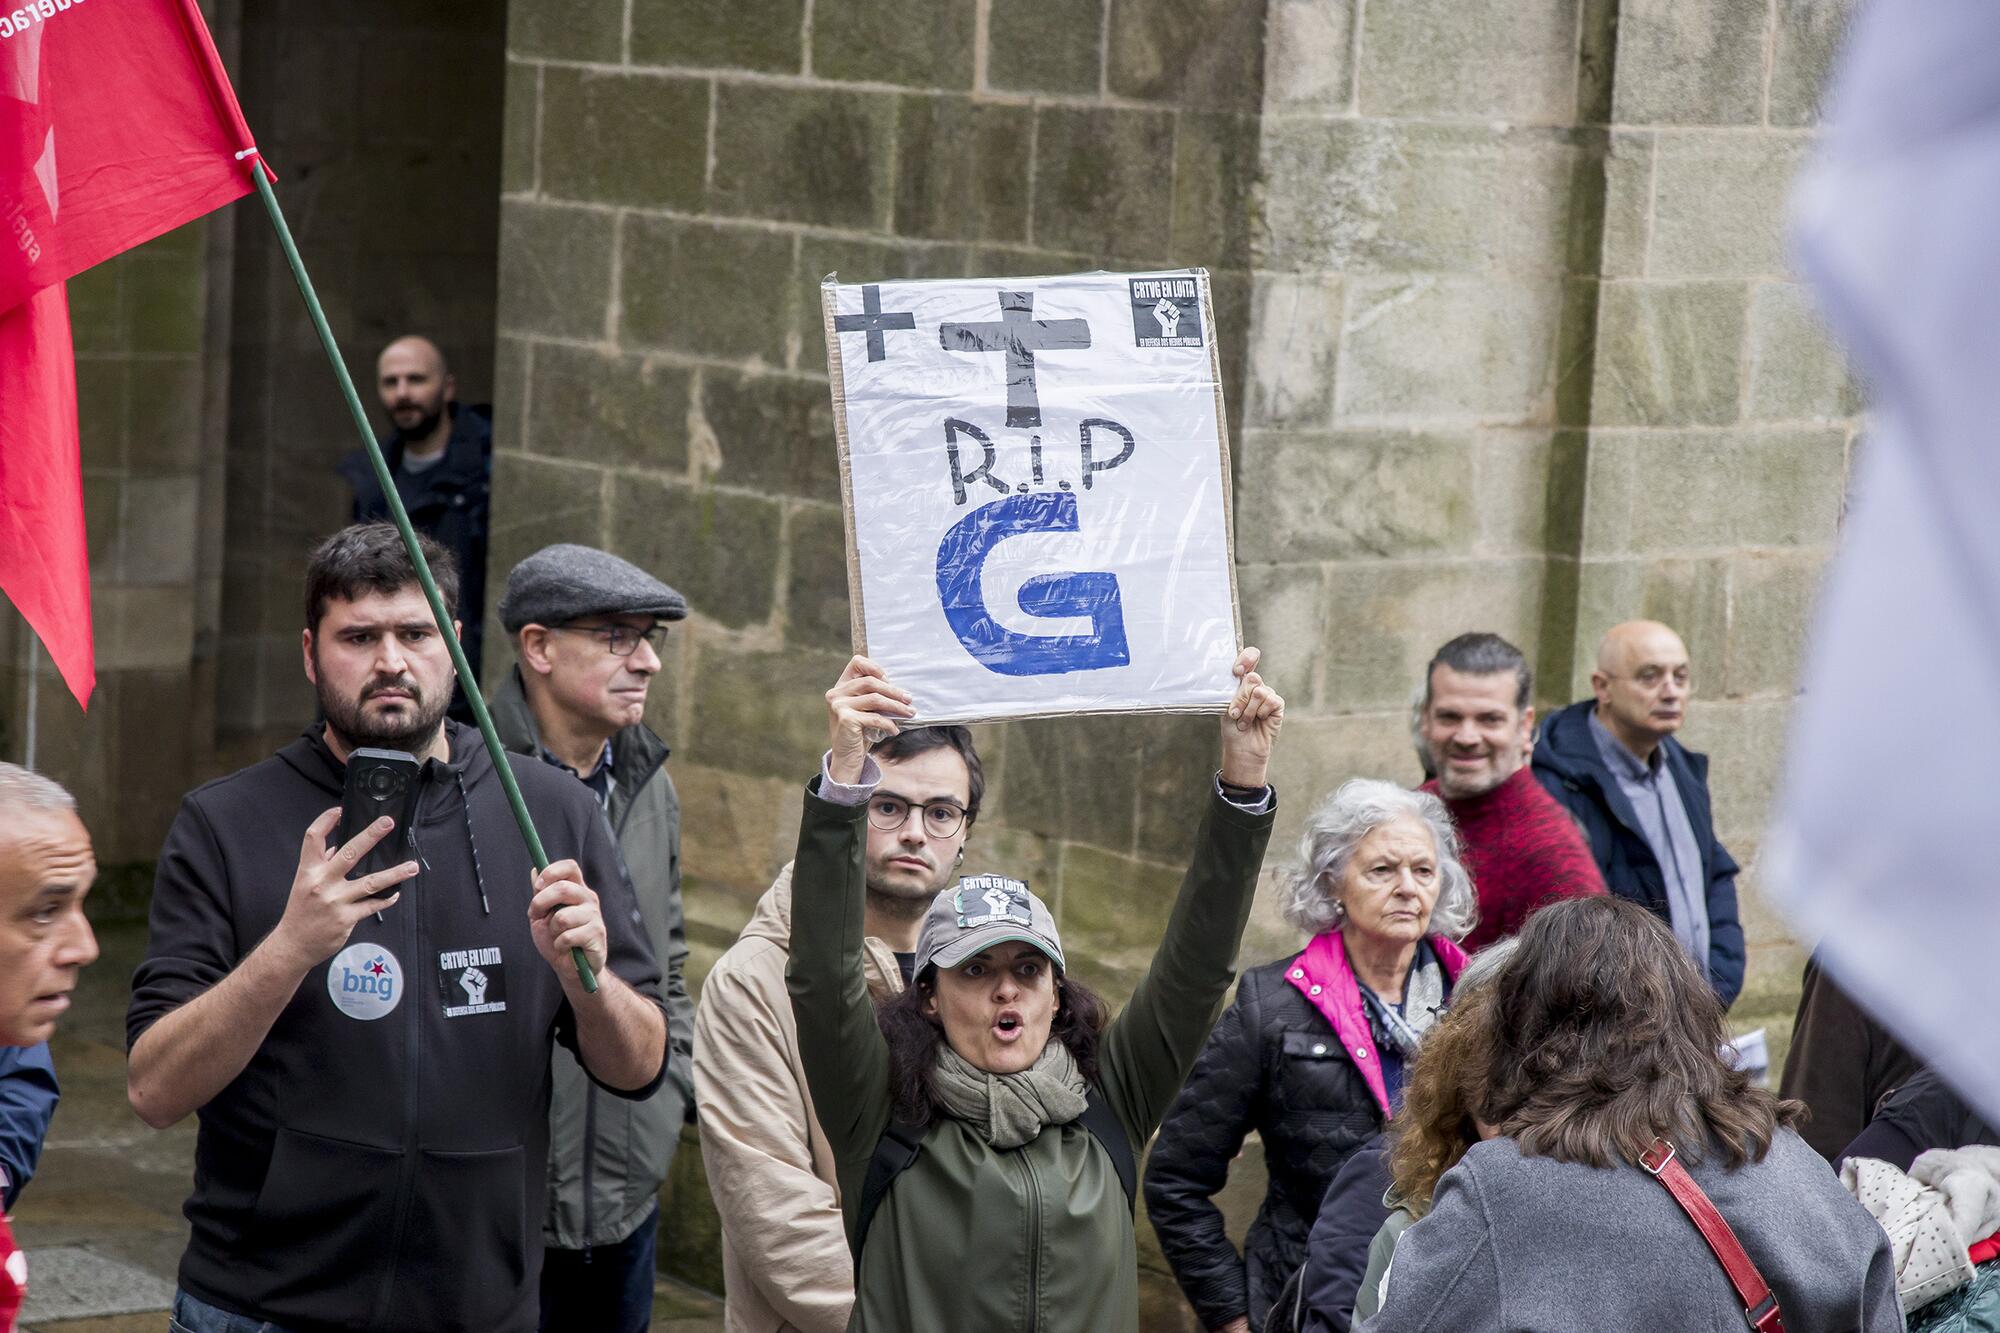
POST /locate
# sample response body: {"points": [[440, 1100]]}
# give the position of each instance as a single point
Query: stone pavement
{"points": [[101, 1220]]}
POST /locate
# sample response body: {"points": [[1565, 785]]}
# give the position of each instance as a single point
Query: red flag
{"points": [[117, 124], [44, 566]]}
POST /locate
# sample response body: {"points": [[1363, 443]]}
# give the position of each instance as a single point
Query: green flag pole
{"points": [[402, 518]]}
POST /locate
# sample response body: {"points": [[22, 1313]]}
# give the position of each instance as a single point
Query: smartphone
{"points": [[379, 782]]}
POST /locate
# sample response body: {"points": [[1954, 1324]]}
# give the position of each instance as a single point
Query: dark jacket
{"points": [[1567, 762], [1037, 1238], [1841, 1065], [611, 1154], [448, 502], [1924, 1113], [1518, 1243], [1337, 1251], [28, 1096], [1273, 1064], [380, 1162]]}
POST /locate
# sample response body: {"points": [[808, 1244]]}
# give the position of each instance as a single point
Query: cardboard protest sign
{"points": [[1036, 481]]}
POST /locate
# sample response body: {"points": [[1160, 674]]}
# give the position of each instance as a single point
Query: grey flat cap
{"points": [[565, 582]]}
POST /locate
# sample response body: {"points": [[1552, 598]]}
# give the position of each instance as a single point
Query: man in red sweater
{"points": [[1521, 846]]}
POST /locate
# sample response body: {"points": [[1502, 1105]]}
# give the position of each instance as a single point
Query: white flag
{"points": [[1885, 841]]}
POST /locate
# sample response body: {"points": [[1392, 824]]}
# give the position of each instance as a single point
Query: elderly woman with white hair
{"points": [[1311, 1053]]}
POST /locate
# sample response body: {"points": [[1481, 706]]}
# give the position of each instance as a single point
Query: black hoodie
{"points": [[381, 1161]]}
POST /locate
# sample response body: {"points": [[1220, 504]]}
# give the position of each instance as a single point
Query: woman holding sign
{"points": [[987, 1121]]}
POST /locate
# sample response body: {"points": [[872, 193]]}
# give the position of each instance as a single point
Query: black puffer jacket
{"points": [[1273, 1065]]}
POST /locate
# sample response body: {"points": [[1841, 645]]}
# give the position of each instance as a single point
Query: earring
{"points": [[959, 860]]}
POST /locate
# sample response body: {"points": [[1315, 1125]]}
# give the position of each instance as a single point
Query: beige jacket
{"points": [[786, 1267]]}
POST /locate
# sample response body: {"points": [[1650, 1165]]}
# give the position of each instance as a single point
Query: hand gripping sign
{"points": [[1036, 481]]}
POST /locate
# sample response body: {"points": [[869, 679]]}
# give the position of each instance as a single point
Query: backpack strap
{"points": [[1110, 1135], [1760, 1303], [895, 1152], [901, 1144]]}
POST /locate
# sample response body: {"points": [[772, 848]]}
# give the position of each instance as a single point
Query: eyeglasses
{"points": [[941, 818], [622, 640]]}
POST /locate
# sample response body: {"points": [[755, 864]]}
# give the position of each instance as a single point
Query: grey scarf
{"points": [[1423, 999], [1009, 1110]]}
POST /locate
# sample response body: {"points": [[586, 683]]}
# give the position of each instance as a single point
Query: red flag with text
{"points": [[117, 124]]}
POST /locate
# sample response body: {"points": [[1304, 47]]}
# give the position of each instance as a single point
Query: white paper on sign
{"points": [[1037, 490]]}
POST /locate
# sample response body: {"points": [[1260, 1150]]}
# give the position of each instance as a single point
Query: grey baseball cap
{"points": [[985, 910], [566, 582]]}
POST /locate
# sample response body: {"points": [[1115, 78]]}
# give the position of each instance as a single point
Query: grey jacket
{"points": [[1527, 1243], [608, 1156]]}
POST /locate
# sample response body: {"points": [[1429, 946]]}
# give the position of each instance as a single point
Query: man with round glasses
{"points": [[588, 630], [786, 1265]]}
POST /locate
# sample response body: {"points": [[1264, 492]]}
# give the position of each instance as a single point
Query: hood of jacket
{"points": [[310, 757], [1566, 748]]}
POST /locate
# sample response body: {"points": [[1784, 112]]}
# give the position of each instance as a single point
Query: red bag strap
{"points": [[1760, 1304]]}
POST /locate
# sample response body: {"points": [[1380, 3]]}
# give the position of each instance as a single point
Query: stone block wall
{"points": [[1711, 475]]}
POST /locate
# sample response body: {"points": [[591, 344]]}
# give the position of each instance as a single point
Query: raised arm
{"points": [[1149, 1049], [222, 1008], [845, 1055]]}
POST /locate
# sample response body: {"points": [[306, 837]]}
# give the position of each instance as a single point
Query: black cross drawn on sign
{"points": [[1020, 336], [873, 322]]}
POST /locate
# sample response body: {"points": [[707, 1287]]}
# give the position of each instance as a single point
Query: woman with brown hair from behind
{"points": [[1602, 1039]]}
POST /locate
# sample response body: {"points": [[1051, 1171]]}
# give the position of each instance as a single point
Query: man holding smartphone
{"points": [[370, 1057]]}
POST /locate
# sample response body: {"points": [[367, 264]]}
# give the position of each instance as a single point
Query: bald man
{"points": [[1642, 796], [441, 455]]}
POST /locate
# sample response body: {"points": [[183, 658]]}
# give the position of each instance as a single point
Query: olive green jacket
{"points": [[608, 1156], [1036, 1239]]}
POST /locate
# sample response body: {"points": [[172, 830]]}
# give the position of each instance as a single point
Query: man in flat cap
{"points": [[588, 629]]}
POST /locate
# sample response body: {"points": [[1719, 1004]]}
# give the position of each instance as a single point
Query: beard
{"points": [[422, 430], [412, 731]]}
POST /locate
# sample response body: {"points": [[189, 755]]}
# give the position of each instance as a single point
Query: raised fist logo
{"points": [[999, 901], [474, 982], [1169, 316]]}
